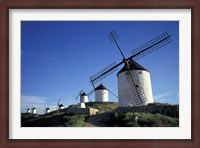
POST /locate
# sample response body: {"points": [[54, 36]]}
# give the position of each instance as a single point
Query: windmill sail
{"points": [[79, 94], [136, 90], [104, 73], [139, 52], [90, 92], [151, 46]]}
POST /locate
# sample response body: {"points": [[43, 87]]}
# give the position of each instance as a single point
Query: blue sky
{"points": [[58, 57]]}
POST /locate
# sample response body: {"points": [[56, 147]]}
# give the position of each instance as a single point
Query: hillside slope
{"points": [[109, 115]]}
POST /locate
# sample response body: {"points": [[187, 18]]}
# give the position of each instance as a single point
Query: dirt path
{"points": [[98, 120]]}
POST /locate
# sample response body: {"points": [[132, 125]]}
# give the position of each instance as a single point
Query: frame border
{"points": [[5, 5]]}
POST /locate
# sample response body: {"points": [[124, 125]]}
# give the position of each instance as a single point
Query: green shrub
{"points": [[74, 121], [141, 120], [157, 120]]}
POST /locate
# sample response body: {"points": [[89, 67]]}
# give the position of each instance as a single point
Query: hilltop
{"points": [[107, 114]]}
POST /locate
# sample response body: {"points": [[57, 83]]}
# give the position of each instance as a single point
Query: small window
{"points": [[140, 72], [136, 86]]}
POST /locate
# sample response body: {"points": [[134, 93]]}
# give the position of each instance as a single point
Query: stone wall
{"points": [[81, 111]]}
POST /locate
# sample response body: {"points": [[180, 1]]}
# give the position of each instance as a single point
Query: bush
{"points": [[157, 120], [74, 121], [141, 120]]}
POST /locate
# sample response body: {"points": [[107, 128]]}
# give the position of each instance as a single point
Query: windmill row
{"points": [[101, 95]]}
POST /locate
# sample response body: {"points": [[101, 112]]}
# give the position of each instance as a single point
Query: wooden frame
{"points": [[100, 4]]}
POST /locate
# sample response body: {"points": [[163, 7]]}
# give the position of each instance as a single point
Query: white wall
{"points": [[83, 99], [125, 92], [101, 95], [34, 111]]}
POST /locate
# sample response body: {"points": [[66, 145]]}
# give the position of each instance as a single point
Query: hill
{"points": [[108, 115]]}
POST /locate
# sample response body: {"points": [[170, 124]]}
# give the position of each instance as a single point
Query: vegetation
{"points": [[142, 120], [103, 106], [163, 115], [74, 121]]}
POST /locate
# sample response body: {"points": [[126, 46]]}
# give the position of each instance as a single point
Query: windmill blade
{"points": [[136, 91], [133, 87], [104, 73], [112, 93], [90, 92], [113, 36], [151, 46], [58, 102], [79, 94]]}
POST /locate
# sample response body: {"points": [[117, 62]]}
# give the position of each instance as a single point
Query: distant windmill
{"points": [[46, 110], [59, 106], [28, 110], [33, 110], [134, 83], [84, 97]]}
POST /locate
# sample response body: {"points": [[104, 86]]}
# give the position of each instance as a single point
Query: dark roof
{"points": [[133, 66], [83, 94], [100, 87], [60, 105]]}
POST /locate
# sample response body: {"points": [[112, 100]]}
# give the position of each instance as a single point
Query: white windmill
{"points": [[101, 94], [83, 99], [34, 110], [28, 110], [134, 83], [59, 106], [46, 110]]}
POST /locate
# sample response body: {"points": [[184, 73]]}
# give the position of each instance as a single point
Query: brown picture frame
{"points": [[194, 5]]}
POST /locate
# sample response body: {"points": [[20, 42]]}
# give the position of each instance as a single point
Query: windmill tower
{"points": [[134, 84], [28, 110], [101, 94], [83, 98], [34, 110], [142, 81], [46, 110], [59, 106]]}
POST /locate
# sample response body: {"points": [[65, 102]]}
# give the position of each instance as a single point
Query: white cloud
{"points": [[161, 96], [167, 98], [35, 101], [39, 103]]}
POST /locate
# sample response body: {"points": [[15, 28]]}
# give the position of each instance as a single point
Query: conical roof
{"points": [[60, 105], [83, 94], [133, 66], [100, 87]]}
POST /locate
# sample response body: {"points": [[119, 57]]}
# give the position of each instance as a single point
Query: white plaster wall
{"points": [[62, 107], [124, 92], [48, 111], [101, 95], [34, 111], [28, 111], [82, 105], [83, 99]]}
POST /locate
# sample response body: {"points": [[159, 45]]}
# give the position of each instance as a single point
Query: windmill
{"points": [[28, 110], [33, 110], [84, 97], [134, 84], [46, 110], [59, 106]]}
